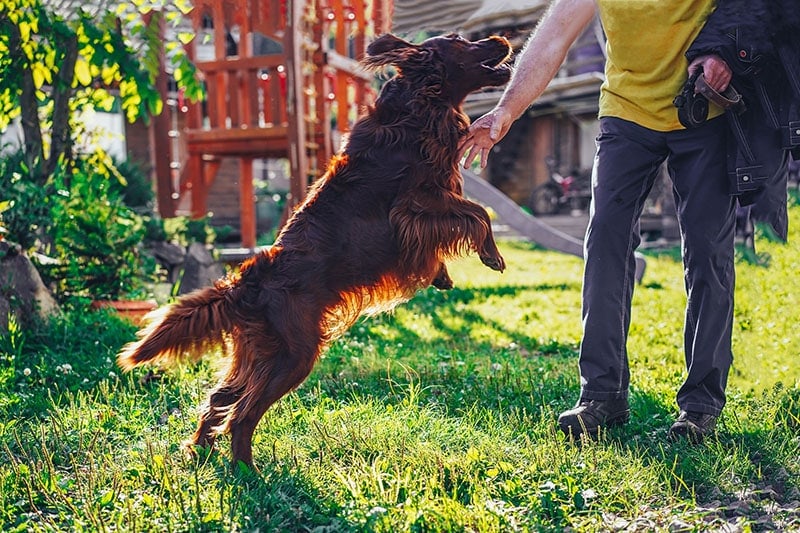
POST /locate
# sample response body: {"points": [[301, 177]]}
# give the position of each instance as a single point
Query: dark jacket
{"points": [[760, 41]]}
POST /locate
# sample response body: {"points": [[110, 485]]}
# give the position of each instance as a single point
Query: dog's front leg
{"points": [[445, 227], [442, 281], [477, 228], [488, 252]]}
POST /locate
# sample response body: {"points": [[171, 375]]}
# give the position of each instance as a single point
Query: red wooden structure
{"points": [[278, 91]]}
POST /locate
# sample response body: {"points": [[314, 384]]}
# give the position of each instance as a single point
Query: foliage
{"points": [[185, 230], [135, 186], [26, 211], [97, 242], [56, 58], [438, 417]]}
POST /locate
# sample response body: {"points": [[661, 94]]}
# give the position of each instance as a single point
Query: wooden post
{"points": [[298, 160], [160, 141], [198, 186], [247, 217], [342, 85]]}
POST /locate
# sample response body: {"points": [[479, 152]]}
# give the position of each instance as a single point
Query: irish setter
{"points": [[375, 228]]}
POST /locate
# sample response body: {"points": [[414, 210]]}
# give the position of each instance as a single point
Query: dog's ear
{"points": [[387, 43], [391, 50]]}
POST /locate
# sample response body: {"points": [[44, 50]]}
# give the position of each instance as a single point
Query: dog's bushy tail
{"points": [[186, 329]]}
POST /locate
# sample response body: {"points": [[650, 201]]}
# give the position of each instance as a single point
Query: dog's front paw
{"points": [[495, 262]]}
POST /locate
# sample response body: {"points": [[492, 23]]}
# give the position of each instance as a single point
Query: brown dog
{"points": [[373, 230]]}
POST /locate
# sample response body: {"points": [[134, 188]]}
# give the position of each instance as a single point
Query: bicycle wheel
{"points": [[544, 199]]}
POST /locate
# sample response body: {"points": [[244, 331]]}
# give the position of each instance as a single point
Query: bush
{"points": [[97, 240], [27, 217], [134, 187]]}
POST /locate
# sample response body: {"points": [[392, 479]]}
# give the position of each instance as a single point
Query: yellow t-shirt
{"points": [[646, 66]]}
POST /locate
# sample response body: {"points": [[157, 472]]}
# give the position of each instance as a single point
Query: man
{"points": [[639, 129]]}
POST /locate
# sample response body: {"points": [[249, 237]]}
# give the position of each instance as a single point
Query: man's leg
{"points": [[707, 217], [626, 165]]}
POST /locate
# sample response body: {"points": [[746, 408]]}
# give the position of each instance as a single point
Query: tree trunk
{"points": [[62, 93], [29, 106]]}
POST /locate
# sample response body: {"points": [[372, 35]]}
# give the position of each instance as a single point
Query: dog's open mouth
{"points": [[499, 62], [498, 66]]}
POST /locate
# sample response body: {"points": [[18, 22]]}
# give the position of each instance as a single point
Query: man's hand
{"points": [[715, 70], [483, 134]]}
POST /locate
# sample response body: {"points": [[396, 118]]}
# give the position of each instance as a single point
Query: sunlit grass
{"points": [[437, 417]]}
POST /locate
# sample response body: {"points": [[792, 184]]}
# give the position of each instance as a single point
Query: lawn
{"points": [[438, 417]]}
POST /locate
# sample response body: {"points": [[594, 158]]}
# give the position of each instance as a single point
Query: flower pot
{"points": [[133, 310]]}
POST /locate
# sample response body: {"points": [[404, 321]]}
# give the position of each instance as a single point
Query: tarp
{"points": [[504, 13], [412, 16]]}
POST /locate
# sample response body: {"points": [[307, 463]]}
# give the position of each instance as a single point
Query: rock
{"points": [[200, 269], [171, 256], [738, 507], [22, 291]]}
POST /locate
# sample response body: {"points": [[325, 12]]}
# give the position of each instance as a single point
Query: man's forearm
{"points": [[543, 54]]}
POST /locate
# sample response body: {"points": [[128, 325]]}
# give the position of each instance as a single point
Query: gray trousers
{"points": [[626, 165]]}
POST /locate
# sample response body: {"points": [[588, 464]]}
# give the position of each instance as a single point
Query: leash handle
{"points": [[727, 99]]}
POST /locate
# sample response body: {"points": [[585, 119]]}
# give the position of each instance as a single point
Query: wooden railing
{"points": [[251, 112], [246, 92]]}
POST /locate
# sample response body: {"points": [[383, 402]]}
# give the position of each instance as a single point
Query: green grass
{"points": [[438, 417]]}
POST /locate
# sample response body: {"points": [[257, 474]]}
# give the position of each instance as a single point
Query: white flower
{"points": [[26, 372]]}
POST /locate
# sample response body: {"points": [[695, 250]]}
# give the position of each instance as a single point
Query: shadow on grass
{"points": [[743, 470], [456, 373]]}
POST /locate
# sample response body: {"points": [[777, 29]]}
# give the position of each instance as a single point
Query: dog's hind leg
{"points": [[274, 375], [219, 403], [248, 412]]}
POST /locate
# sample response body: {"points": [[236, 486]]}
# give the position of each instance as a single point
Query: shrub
{"points": [[97, 240], [27, 216]]}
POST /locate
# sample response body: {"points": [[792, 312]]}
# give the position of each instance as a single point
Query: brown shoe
{"points": [[588, 416], [693, 426]]}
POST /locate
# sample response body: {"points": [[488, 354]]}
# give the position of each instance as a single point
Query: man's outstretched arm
{"points": [[535, 67]]}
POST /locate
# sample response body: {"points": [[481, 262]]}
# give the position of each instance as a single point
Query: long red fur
{"points": [[375, 228]]}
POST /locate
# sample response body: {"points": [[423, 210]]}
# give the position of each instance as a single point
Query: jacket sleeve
{"points": [[713, 37], [739, 32]]}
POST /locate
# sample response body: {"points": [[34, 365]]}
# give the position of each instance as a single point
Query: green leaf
{"points": [[185, 6], [106, 498]]}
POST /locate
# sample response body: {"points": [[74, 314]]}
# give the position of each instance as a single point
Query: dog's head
{"points": [[449, 65]]}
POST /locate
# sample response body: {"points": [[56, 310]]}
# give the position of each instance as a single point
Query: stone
{"points": [[22, 292], [171, 256], [200, 269]]}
